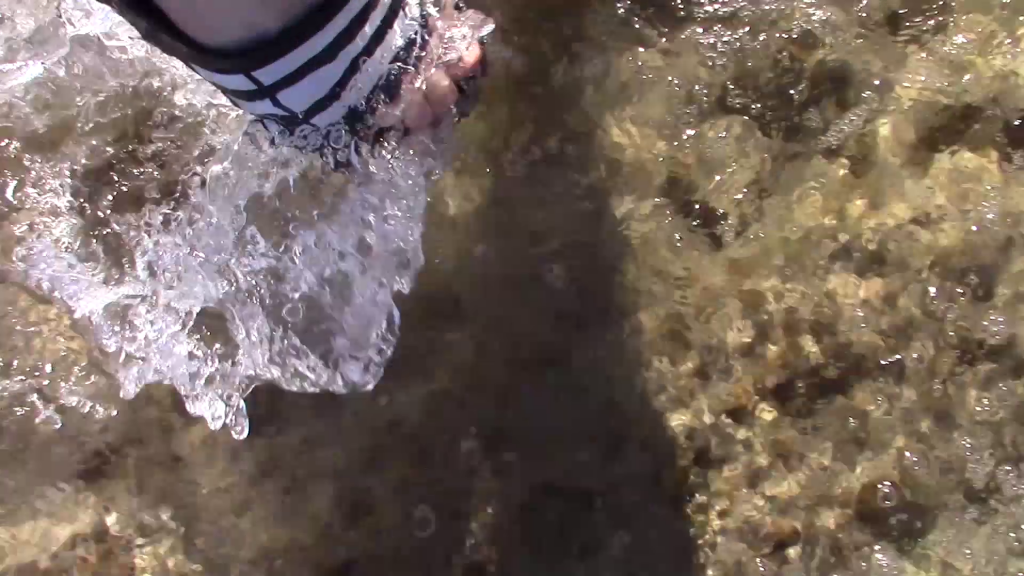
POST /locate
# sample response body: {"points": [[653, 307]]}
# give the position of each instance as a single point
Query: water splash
{"points": [[185, 251]]}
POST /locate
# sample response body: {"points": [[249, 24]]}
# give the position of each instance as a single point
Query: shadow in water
{"points": [[540, 454], [510, 434]]}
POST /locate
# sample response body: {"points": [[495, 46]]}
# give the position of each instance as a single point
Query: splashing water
{"points": [[187, 253]]}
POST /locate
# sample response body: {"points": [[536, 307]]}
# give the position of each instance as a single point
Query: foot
{"points": [[454, 53]]}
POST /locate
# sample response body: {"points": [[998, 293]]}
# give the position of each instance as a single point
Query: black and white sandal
{"points": [[317, 84]]}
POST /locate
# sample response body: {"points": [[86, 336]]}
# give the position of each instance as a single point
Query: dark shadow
{"points": [[526, 445], [577, 474]]}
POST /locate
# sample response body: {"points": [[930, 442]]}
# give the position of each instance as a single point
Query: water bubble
{"points": [[424, 522], [885, 509], [888, 495], [914, 463], [1015, 540], [293, 312]]}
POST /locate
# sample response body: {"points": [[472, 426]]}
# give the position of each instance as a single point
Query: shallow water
{"points": [[723, 287]]}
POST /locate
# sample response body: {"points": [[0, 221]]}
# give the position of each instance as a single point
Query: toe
{"points": [[416, 112], [389, 115], [440, 92], [468, 64]]}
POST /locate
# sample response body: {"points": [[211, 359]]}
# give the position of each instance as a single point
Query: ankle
{"points": [[226, 24]]}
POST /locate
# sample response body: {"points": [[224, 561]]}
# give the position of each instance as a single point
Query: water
{"points": [[721, 287], [188, 253]]}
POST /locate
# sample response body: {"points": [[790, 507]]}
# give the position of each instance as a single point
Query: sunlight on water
{"points": [[187, 252]]}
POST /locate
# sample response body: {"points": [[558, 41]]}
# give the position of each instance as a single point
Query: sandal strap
{"points": [[333, 67]]}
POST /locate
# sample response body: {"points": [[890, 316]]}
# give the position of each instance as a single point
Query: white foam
{"points": [[300, 267]]}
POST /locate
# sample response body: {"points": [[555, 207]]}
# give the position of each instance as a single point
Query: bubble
{"points": [[888, 495], [293, 312], [424, 522], [914, 464], [1015, 540], [884, 507]]}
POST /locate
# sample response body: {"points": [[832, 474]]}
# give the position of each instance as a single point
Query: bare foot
{"points": [[454, 53]]}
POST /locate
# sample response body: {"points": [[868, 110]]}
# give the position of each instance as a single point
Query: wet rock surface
{"points": [[831, 366], [722, 288]]}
